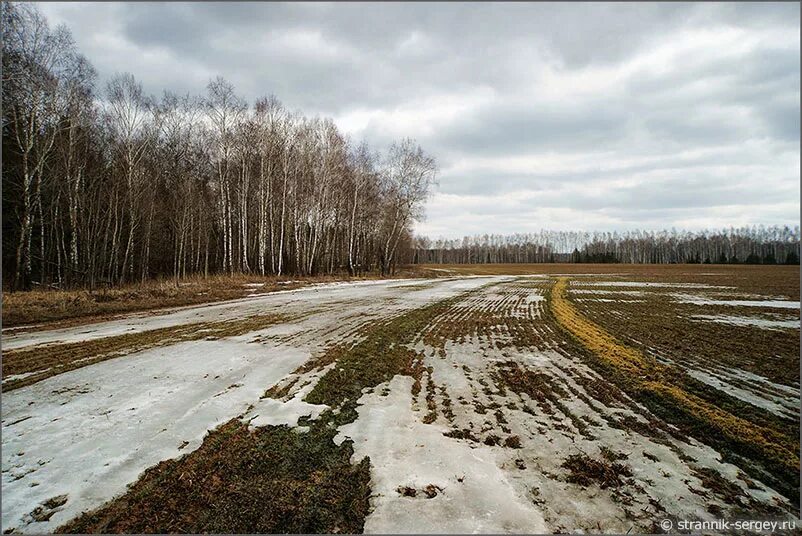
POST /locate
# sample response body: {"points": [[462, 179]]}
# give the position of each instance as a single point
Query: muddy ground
{"points": [[549, 402]]}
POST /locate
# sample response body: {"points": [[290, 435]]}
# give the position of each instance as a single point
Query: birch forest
{"points": [[104, 184]]}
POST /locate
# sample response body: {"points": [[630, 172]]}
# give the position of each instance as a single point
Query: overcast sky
{"points": [[556, 116]]}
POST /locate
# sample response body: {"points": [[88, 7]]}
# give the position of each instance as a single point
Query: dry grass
{"points": [[72, 307], [539, 386], [47, 361], [660, 387], [266, 481], [584, 470], [593, 337], [664, 326]]}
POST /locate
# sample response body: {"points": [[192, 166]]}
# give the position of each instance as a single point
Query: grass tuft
{"points": [[584, 470], [269, 480]]}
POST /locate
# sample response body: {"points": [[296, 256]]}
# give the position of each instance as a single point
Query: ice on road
{"points": [[88, 433]]}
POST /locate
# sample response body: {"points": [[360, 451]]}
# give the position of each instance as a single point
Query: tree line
{"points": [[110, 185], [745, 245]]}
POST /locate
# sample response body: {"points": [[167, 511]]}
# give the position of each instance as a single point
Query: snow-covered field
{"points": [[75, 440]]}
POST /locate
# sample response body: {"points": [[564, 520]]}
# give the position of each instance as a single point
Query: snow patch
{"points": [[532, 298], [644, 284], [608, 292], [405, 452], [272, 412], [701, 300], [89, 432], [749, 321], [764, 400], [13, 377]]}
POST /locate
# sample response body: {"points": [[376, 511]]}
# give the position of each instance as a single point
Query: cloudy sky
{"points": [[556, 116]]}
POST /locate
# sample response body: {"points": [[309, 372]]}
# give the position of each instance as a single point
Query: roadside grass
{"points": [[40, 362], [269, 480], [61, 308], [661, 388]]}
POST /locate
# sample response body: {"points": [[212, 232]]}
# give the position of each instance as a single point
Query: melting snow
{"points": [[749, 321], [405, 452], [776, 405], [607, 292], [89, 432], [12, 377], [643, 284], [271, 412], [701, 300]]}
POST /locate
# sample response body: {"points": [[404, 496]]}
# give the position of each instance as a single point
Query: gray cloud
{"points": [[606, 115]]}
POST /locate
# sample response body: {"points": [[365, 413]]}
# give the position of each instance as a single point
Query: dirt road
{"points": [[499, 420]]}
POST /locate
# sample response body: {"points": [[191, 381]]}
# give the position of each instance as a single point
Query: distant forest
{"points": [[109, 185], [746, 245]]}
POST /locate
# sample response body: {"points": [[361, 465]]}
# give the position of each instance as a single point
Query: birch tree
{"points": [[112, 186], [225, 111], [34, 56], [129, 113], [407, 178]]}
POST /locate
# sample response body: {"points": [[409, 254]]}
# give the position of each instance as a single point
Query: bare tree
{"points": [[225, 111], [751, 245], [267, 115], [72, 147], [130, 116], [34, 57], [408, 176], [111, 189]]}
